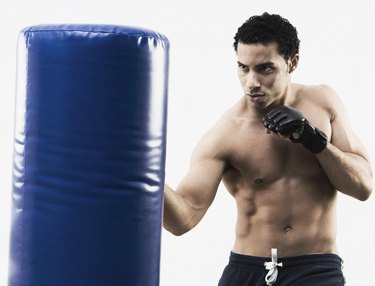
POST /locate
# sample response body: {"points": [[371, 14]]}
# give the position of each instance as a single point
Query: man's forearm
{"points": [[349, 173]]}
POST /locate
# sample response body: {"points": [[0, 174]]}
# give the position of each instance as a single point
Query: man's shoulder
{"points": [[225, 124], [320, 92], [219, 137], [321, 95], [235, 114]]}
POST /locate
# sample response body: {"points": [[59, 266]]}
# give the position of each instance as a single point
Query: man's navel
{"points": [[287, 229]]}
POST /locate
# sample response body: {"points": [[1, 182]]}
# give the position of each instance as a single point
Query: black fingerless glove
{"points": [[286, 121]]}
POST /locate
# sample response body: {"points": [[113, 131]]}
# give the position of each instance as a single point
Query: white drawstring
{"points": [[272, 267]]}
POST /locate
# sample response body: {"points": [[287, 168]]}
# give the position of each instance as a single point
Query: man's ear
{"points": [[293, 63]]}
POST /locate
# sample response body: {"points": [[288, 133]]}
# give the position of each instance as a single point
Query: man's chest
{"points": [[268, 157]]}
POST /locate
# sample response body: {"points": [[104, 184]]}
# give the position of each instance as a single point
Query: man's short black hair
{"points": [[265, 29]]}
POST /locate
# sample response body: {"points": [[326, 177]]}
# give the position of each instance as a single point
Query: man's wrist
{"points": [[313, 139]]}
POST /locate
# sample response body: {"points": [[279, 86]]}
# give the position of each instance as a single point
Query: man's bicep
{"points": [[200, 184], [344, 137], [206, 169]]}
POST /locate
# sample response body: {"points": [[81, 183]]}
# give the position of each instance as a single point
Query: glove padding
{"points": [[286, 121]]}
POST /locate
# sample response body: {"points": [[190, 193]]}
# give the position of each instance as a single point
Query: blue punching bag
{"points": [[89, 156]]}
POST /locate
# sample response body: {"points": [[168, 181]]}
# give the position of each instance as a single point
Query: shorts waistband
{"points": [[288, 261]]}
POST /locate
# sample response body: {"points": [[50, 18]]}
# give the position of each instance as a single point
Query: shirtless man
{"points": [[283, 151]]}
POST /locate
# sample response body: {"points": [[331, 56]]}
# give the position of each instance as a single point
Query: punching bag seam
{"points": [[140, 34], [23, 98]]}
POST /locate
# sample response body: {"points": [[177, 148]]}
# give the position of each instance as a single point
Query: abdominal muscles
{"points": [[293, 213]]}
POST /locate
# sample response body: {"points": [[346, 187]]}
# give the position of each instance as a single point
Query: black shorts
{"points": [[304, 270]]}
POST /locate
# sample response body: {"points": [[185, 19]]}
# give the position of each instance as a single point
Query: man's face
{"points": [[263, 73]]}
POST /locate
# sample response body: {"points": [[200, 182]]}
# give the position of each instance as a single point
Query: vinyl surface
{"points": [[89, 156]]}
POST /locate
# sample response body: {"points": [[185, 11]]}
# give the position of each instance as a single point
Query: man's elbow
{"points": [[366, 191], [177, 231], [365, 195]]}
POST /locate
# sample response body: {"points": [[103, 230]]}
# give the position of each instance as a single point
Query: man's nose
{"points": [[252, 81]]}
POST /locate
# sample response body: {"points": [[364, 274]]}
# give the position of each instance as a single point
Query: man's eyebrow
{"points": [[241, 64], [258, 65], [266, 64]]}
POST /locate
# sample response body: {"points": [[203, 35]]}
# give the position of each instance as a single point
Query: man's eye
{"points": [[243, 67], [267, 69]]}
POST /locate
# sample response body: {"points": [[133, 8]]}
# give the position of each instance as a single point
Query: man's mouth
{"points": [[254, 95]]}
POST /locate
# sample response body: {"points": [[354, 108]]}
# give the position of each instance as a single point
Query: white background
{"points": [[337, 48]]}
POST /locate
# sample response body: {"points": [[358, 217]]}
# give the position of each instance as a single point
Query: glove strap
{"points": [[312, 138]]}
